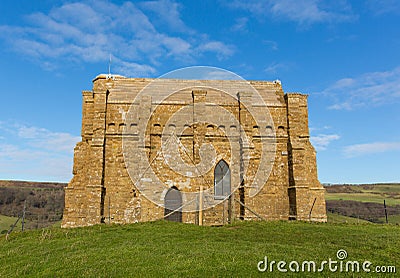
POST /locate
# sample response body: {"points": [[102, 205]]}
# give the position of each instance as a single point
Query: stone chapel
{"points": [[206, 152]]}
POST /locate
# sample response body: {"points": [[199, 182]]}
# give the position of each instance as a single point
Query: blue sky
{"points": [[344, 54]]}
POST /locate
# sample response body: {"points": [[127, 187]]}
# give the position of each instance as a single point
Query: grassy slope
{"points": [[391, 218], [363, 197], [176, 250], [337, 218], [6, 222]]}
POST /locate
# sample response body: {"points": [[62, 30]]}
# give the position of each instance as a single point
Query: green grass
{"points": [[337, 218], [6, 222], [363, 197], [391, 219], [163, 249], [384, 188]]}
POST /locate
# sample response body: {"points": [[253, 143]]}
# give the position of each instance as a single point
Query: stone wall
{"points": [[141, 137]]}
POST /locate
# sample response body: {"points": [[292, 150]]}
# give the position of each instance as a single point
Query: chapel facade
{"points": [[207, 152]]}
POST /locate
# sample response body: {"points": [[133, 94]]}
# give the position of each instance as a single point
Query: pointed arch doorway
{"points": [[173, 205]]}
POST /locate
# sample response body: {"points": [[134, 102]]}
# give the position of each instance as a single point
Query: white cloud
{"points": [[220, 48], [167, 12], [303, 12], [89, 31], [315, 129], [130, 69], [370, 89], [25, 164], [379, 7], [36, 153], [240, 24], [321, 141], [370, 148], [44, 139], [274, 68], [176, 46]]}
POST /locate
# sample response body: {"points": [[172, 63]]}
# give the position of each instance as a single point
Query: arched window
{"points": [[156, 129], [111, 128], [281, 131], [222, 180], [121, 127]]}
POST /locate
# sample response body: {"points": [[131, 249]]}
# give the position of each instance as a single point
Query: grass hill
{"points": [[167, 249]]}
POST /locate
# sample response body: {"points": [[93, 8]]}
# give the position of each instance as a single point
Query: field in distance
{"points": [[374, 193], [363, 202]]}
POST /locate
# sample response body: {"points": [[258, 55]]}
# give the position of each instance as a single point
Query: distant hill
{"points": [[32, 184], [44, 201]]}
